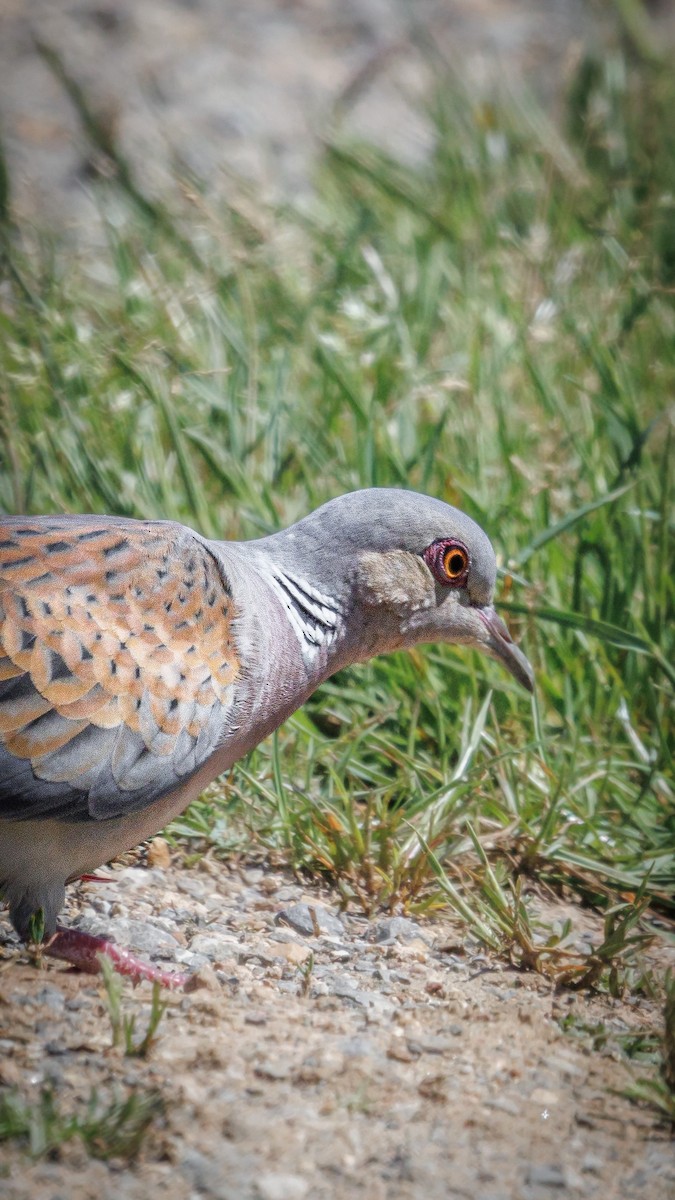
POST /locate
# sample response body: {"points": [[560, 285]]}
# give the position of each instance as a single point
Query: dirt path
{"points": [[378, 1061]]}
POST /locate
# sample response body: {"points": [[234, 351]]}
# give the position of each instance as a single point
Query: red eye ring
{"points": [[449, 561]]}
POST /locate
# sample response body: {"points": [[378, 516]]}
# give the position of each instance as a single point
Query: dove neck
{"points": [[285, 633]]}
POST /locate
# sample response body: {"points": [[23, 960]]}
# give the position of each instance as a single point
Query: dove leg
{"points": [[83, 950], [36, 857]]}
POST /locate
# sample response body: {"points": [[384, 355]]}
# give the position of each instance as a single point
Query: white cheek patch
{"points": [[314, 617]]}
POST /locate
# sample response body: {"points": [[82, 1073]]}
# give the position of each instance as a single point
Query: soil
{"points": [[325, 1056]]}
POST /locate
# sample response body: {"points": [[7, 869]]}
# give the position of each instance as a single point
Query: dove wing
{"points": [[117, 663]]}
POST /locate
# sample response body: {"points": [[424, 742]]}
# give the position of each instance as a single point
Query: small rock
{"points": [[545, 1175], [637, 1181], [269, 885], [431, 1045], [191, 886], [395, 929], [545, 1097], [51, 997], [343, 954], [288, 892], [273, 1070], [401, 1051], [159, 854], [134, 879], [216, 1176], [193, 962], [562, 1066], [252, 876], [358, 1047], [204, 977], [415, 951], [451, 946], [56, 1048], [275, 1186], [293, 953], [433, 1087], [311, 920], [261, 953], [213, 945], [400, 977], [318, 989], [141, 937], [11, 1074], [434, 987], [345, 991], [501, 1104]]}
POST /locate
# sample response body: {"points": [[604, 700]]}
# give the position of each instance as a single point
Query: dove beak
{"points": [[499, 643]]}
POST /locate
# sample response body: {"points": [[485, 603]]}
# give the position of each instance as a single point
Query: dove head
{"points": [[383, 569]]}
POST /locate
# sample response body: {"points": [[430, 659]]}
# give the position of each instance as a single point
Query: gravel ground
{"points": [[324, 1056]]}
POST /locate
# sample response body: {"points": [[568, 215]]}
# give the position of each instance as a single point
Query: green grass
{"points": [[497, 329], [123, 1027], [112, 1130]]}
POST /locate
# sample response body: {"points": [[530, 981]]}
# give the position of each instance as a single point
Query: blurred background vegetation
{"points": [[495, 327]]}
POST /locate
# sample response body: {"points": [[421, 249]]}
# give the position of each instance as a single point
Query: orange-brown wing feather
{"points": [[117, 663]]}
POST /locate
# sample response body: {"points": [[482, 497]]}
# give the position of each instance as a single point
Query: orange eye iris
{"points": [[455, 562], [449, 561]]}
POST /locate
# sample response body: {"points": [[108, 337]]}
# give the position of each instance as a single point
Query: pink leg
{"points": [[82, 950]]}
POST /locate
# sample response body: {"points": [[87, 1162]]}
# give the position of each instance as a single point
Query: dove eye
{"points": [[448, 560], [455, 562]]}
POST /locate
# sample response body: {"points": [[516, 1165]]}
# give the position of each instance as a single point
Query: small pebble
{"points": [[431, 1045], [159, 854], [395, 929], [273, 1070], [345, 990], [310, 919], [255, 1018], [51, 997], [501, 1104], [402, 1051], [275, 1186], [252, 876], [204, 978], [293, 953], [545, 1175]]}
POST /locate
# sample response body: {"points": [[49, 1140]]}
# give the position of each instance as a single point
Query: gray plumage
{"points": [[139, 660]]}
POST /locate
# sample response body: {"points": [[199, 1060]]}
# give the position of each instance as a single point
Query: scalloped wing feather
{"points": [[117, 663]]}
